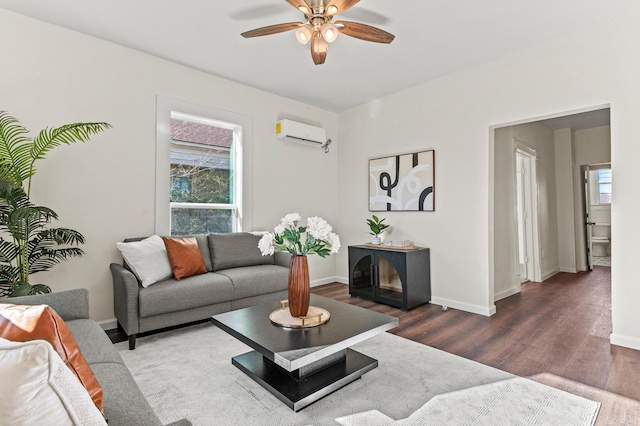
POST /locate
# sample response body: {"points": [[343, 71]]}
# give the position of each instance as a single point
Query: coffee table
{"points": [[300, 366]]}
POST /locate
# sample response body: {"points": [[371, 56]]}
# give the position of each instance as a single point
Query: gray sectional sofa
{"points": [[237, 276], [124, 404]]}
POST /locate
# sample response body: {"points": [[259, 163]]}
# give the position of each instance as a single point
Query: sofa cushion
{"points": [[93, 342], [203, 245], [255, 280], [147, 259], [184, 256], [235, 250], [22, 323], [192, 292], [37, 388], [124, 403]]}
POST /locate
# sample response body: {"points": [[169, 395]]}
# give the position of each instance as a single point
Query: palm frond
{"points": [[24, 222], [67, 134], [8, 274], [15, 147], [8, 251], [49, 258], [63, 236]]}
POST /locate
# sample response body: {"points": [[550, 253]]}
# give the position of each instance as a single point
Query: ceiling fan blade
{"points": [[271, 29], [319, 48], [364, 32], [341, 5], [300, 5]]}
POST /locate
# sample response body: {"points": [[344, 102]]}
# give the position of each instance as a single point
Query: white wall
{"points": [[454, 114], [539, 137], [105, 188], [565, 200]]}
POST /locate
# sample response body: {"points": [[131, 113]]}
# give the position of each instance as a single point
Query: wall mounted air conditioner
{"points": [[293, 131]]}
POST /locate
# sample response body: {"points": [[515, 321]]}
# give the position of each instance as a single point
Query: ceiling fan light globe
{"points": [[303, 34], [332, 10], [320, 45], [329, 32]]}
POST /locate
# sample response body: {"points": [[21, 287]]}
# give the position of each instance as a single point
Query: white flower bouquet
{"points": [[287, 237]]}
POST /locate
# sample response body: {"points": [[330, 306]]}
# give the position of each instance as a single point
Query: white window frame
{"points": [[598, 187], [166, 108]]}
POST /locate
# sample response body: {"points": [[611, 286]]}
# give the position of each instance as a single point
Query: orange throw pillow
{"points": [[20, 323], [185, 257]]}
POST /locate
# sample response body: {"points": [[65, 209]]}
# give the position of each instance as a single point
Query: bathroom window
{"points": [[604, 186]]}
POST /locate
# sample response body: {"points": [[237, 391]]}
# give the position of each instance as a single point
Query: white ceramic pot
{"points": [[376, 240]]}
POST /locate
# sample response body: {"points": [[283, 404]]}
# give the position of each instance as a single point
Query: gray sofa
{"points": [[238, 276], [124, 404]]}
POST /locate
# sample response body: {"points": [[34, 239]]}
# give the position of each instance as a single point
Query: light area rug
{"points": [[187, 373], [514, 401], [614, 409]]}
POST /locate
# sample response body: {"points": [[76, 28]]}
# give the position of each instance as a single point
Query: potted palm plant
{"points": [[377, 227], [32, 244]]}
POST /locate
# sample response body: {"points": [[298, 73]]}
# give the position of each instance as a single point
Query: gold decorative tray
{"points": [[315, 317], [386, 246]]}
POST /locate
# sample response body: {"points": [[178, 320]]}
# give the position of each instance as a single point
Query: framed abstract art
{"points": [[402, 182]]}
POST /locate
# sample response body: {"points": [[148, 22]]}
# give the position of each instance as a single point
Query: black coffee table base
{"points": [[298, 390]]}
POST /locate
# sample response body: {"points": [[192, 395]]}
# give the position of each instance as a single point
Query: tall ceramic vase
{"points": [[299, 287]]}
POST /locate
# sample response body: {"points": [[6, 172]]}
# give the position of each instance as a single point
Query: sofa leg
{"points": [[132, 342]]}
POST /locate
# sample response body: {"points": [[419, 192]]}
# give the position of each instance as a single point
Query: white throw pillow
{"points": [[37, 388], [147, 259]]}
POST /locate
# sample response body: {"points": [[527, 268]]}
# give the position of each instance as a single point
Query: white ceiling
{"points": [[433, 38]]}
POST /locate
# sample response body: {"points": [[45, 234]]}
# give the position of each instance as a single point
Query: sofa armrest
{"points": [[282, 258], [69, 304], [125, 298]]}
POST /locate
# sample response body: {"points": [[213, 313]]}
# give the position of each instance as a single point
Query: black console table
{"points": [[396, 277]]}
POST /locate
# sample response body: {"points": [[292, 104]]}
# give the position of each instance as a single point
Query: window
{"points": [[202, 167], [203, 173], [604, 186]]}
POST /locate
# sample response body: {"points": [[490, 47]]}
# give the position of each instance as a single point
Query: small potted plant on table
{"points": [[377, 228]]}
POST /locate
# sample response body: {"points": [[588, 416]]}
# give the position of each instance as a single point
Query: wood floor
{"points": [[560, 327]]}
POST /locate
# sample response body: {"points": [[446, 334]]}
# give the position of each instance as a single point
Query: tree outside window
{"points": [[202, 177]]}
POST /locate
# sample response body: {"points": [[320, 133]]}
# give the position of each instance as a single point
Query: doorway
{"points": [[597, 214], [526, 203], [556, 149]]}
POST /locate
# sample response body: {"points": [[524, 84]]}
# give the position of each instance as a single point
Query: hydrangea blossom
{"points": [[287, 237], [266, 244], [318, 228], [334, 242]]}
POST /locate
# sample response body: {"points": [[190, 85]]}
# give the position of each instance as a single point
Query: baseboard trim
{"points": [[323, 281], [505, 293], [342, 280], [474, 309], [550, 274], [569, 270], [626, 341]]}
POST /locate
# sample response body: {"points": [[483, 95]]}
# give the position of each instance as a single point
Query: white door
{"points": [[524, 218], [588, 223]]}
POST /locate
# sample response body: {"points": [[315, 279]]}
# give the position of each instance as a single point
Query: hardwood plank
{"points": [[560, 327]]}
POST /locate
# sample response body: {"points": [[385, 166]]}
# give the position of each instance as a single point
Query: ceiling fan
{"points": [[319, 29]]}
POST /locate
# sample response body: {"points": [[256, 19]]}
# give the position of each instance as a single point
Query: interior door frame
{"points": [[531, 193], [586, 209]]}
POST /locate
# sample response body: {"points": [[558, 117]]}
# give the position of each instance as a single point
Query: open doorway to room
{"points": [[555, 151], [597, 199]]}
